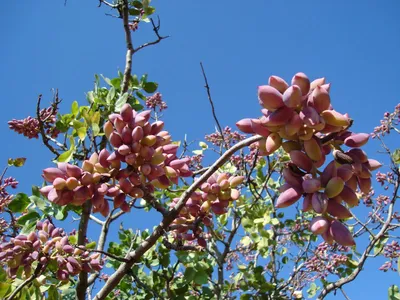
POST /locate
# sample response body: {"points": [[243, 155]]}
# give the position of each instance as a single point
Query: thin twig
{"points": [[156, 29], [98, 221], [103, 252], [344, 294], [108, 4], [212, 107], [41, 128]]}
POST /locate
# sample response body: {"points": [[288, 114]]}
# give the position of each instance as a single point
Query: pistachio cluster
{"points": [[300, 119], [48, 245], [150, 162], [214, 197]]}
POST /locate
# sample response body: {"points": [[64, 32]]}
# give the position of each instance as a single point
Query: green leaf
{"points": [[3, 275], [68, 294], [146, 3], [4, 287], [29, 226], [120, 102], [312, 291], [396, 156], [197, 152], [150, 87], [245, 241], [33, 215], [149, 10], [380, 244], [19, 203], [110, 95], [95, 129], [35, 191], [61, 213], [53, 293], [107, 80], [116, 82], [66, 156], [81, 133], [190, 273], [137, 4], [90, 96], [258, 221], [143, 79], [18, 162], [38, 202], [201, 277], [75, 108], [275, 221], [91, 245], [134, 12], [394, 293], [73, 239], [95, 118], [203, 145], [134, 81], [141, 96], [62, 126]]}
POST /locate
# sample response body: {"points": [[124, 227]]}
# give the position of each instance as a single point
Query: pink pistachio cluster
{"points": [[150, 157], [5, 196], [324, 262], [390, 121], [391, 251], [155, 101], [74, 185], [250, 158], [301, 119], [230, 137], [46, 245], [145, 147], [214, 196], [29, 127]]}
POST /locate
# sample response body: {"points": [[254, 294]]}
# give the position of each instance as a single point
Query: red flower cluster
{"points": [[29, 127]]}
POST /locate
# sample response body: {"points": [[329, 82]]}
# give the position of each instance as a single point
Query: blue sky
{"points": [[354, 44]]}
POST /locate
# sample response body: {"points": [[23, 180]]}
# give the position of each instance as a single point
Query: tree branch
{"points": [[212, 106], [129, 46], [108, 4], [156, 29], [82, 283], [135, 255], [104, 253]]}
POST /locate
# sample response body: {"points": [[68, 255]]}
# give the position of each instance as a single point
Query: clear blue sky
{"points": [[354, 44]]}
